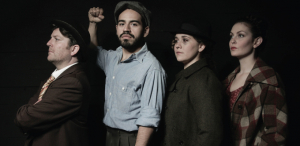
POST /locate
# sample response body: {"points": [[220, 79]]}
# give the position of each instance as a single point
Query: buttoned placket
{"points": [[113, 81], [247, 85]]}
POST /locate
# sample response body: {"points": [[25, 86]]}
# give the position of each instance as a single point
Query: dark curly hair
{"points": [[258, 28]]}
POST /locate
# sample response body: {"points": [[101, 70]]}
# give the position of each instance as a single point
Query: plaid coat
{"points": [[259, 115]]}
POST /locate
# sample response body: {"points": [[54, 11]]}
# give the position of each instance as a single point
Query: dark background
{"points": [[24, 34]]}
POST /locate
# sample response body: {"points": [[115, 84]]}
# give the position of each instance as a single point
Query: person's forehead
{"points": [[130, 14], [182, 35], [56, 32], [241, 26]]}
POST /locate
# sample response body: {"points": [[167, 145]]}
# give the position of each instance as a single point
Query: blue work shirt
{"points": [[134, 89]]}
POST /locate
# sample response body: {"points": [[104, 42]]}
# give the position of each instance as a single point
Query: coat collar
{"points": [[188, 72], [192, 68], [70, 70], [260, 73]]}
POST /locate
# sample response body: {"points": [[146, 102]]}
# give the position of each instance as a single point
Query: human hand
{"points": [[95, 14]]}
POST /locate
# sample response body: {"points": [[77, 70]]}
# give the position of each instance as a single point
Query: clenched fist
{"points": [[95, 14]]}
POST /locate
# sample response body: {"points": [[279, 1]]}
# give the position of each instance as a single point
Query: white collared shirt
{"points": [[56, 72]]}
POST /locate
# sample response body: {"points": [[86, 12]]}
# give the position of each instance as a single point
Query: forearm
{"points": [[93, 33], [61, 102], [144, 134]]}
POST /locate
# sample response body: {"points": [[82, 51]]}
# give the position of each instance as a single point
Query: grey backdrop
{"points": [[24, 34]]}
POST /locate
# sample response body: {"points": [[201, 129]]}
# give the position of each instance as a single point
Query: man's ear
{"points": [[257, 41], [201, 48], [146, 31], [74, 49]]}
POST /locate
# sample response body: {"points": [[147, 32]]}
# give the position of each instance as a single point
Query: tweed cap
{"points": [[136, 6]]}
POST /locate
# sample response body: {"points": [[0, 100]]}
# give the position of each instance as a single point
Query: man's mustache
{"points": [[127, 33]]}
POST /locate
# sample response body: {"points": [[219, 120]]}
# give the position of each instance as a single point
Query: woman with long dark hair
{"points": [[257, 100]]}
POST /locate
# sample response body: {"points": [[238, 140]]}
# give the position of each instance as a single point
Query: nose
{"points": [[232, 40], [177, 45], [49, 43], [127, 27]]}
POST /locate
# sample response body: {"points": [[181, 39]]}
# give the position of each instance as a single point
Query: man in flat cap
{"points": [[57, 114], [135, 80]]}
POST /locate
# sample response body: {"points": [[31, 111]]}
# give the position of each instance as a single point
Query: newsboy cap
{"points": [[202, 30], [136, 6]]}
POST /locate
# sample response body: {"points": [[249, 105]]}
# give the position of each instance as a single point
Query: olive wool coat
{"points": [[60, 118], [193, 112], [259, 114]]}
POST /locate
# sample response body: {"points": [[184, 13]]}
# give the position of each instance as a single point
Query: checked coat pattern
{"points": [[259, 115]]}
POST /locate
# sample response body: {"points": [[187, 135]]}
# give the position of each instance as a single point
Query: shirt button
{"points": [[240, 106], [113, 77], [174, 90], [173, 129], [266, 129], [123, 88], [181, 142], [110, 93]]}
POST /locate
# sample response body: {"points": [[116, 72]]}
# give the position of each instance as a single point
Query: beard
{"points": [[131, 46]]}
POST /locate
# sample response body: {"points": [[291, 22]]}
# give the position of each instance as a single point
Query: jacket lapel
{"points": [[260, 73], [68, 71]]}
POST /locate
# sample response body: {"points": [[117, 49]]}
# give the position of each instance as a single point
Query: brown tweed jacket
{"points": [[60, 118], [259, 115]]}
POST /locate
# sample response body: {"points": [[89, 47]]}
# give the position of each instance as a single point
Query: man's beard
{"points": [[131, 47]]}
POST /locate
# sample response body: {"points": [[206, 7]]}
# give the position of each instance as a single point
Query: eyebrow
{"points": [[184, 36], [130, 21], [239, 31]]}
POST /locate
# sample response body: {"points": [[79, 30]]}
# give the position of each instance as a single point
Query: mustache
{"points": [[128, 34]]}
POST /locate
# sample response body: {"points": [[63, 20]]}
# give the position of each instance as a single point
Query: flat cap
{"points": [[136, 6]]}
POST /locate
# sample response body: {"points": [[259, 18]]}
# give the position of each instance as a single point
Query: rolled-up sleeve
{"points": [[102, 56], [152, 99]]}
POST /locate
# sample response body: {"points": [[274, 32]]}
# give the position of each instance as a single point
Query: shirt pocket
{"points": [[122, 98]]}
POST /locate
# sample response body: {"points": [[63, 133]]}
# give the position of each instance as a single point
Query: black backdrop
{"points": [[24, 34]]}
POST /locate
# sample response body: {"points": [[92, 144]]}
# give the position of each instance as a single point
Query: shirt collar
{"points": [[56, 72], [139, 56]]}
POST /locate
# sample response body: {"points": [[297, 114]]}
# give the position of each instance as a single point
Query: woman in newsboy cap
{"points": [[193, 112]]}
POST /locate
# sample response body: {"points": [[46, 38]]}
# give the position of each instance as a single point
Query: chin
{"points": [[180, 60], [234, 54]]}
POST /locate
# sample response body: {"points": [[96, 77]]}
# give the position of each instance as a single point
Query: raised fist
{"points": [[95, 14]]}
